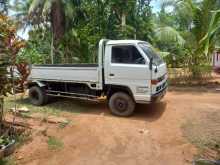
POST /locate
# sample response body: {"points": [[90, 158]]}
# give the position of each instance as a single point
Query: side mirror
{"points": [[151, 64], [156, 70]]}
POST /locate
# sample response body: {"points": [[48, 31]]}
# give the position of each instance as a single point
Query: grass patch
{"points": [[63, 125], [26, 115], [55, 107], [54, 143], [9, 103], [204, 133], [23, 138], [204, 162], [7, 161]]}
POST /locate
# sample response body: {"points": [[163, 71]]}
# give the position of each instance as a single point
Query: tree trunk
{"points": [[52, 49], [123, 21], [123, 25], [57, 20]]}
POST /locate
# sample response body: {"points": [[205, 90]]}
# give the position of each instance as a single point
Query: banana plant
{"points": [[199, 24]]}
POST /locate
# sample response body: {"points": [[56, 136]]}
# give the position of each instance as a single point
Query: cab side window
{"points": [[126, 55]]}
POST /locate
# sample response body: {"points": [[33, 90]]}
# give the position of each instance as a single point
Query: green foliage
{"points": [[9, 47], [199, 71], [169, 35], [4, 141], [194, 32], [188, 31], [37, 50], [86, 22]]}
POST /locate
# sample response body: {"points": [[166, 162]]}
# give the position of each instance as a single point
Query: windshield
{"points": [[151, 53]]}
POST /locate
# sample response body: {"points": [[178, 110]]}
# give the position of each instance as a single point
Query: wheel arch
{"points": [[111, 89], [36, 83]]}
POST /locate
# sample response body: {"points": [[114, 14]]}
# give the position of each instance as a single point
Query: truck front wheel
{"points": [[121, 104], [37, 96]]}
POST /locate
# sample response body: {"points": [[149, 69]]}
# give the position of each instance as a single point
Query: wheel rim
{"points": [[121, 105]]}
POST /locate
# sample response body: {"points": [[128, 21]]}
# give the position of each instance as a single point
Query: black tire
{"points": [[37, 96], [121, 104]]}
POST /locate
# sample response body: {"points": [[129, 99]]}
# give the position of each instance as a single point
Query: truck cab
{"points": [[128, 72], [136, 65]]}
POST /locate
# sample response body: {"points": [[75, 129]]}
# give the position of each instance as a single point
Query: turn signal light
{"points": [[154, 82]]}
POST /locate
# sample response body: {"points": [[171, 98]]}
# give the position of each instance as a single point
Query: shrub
{"points": [[9, 47]]}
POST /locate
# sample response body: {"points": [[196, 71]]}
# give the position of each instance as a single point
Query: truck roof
{"points": [[115, 42]]}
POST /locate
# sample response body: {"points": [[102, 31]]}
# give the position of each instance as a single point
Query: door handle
{"points": [[111, 75]]}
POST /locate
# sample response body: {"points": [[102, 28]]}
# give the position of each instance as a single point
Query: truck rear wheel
{"points": [[37, 96], [121, 104]]}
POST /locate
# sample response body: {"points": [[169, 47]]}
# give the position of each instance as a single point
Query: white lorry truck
{"points": [[128, 72]]}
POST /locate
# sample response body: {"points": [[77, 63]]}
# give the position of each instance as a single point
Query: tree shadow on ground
{"points": [[148, 113]]}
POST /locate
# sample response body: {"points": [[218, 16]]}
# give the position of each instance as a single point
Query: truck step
{"points": [[73, 95]]}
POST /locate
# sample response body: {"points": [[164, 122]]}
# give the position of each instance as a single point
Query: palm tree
{"points": [[49, 10], [199, 24], [60, 15]]}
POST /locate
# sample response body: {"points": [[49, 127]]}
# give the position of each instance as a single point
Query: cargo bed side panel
{"points": [[65, 74]]}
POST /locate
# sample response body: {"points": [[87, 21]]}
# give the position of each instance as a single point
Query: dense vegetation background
{"points": [[185, 32]]}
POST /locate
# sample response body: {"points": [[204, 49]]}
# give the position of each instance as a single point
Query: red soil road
{"points": [[153, 136]]}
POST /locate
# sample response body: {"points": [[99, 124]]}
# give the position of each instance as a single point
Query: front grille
{"points": [[161, 87]]}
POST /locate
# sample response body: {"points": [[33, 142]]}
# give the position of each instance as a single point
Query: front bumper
{"points": [[159, 96], [153, 98]]}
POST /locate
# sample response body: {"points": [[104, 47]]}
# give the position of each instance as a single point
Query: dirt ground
{"points": [[155, 135]]}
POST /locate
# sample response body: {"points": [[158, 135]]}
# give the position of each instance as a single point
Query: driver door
{"points": [[126, 66]]}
